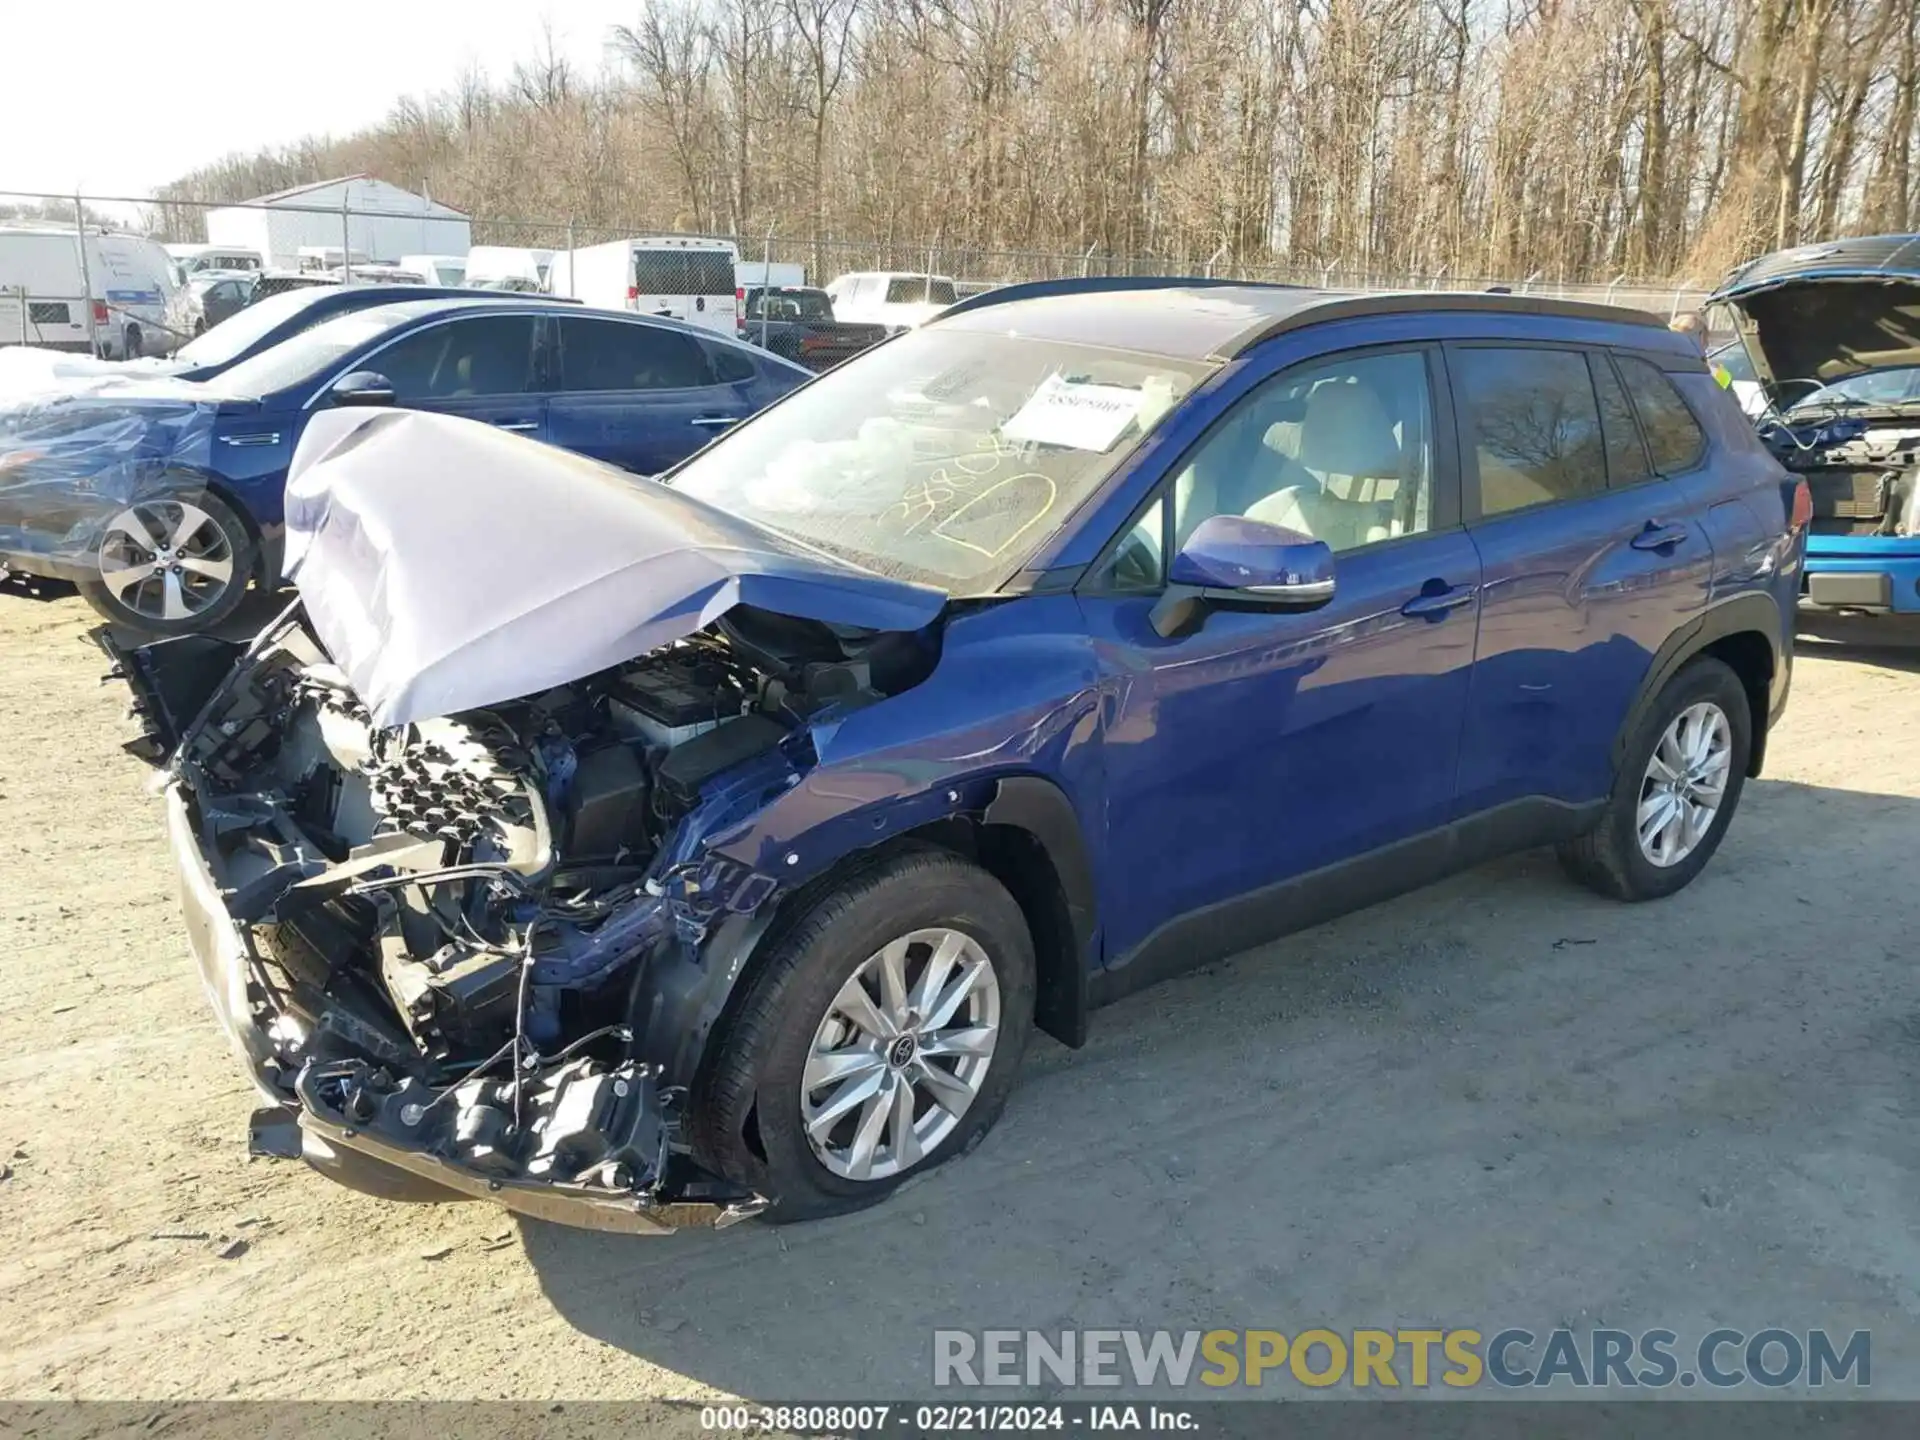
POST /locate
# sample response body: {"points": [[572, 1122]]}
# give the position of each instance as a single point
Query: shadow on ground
{"points": [[1889, 640], [1501, 1101], [32, 587]]}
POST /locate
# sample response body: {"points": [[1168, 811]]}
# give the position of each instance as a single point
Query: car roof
{"points": [[1196, 319], [506, 301], [1864, 257]]}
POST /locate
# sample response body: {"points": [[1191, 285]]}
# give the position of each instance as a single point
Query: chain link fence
{"points": [[353, 232]]}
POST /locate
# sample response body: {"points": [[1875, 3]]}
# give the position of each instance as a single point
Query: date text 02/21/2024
{"points": [[958, 1419]]}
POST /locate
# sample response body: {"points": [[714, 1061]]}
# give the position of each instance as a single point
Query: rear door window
{"points": [[729, 364], [1533, 422], [613, 355], [1674, 438]]}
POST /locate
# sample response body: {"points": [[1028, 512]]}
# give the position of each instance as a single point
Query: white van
{"points": [[685, 277], [436, 269], [510, 267], [897, 299], [45, 301]]}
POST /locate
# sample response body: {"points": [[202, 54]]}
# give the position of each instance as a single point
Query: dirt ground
{"points": [[1501, 1101]]}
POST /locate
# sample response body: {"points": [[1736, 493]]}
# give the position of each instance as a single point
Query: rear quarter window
{"points": [[1728, 427], [1675, 441]]}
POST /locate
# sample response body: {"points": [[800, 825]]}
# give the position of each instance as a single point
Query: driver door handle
{"points": [[715, 422], [1432, 606]]}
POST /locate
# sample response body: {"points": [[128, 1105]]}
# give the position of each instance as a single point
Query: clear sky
{"points": [[116, 97]]}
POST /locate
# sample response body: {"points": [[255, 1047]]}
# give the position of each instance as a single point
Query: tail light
{"points": [[99, 312], [1802, 505], [633, 292]]}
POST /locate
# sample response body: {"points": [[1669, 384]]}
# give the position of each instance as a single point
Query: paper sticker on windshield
{"points": [[1080, 417]]}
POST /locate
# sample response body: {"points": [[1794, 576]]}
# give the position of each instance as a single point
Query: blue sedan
{"points": [[162, 499]]}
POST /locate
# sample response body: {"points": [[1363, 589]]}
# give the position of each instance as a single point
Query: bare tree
{"points": [[1309, 139]]}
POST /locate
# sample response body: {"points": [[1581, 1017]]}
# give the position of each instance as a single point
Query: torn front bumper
{"points": [[355, 1122]]}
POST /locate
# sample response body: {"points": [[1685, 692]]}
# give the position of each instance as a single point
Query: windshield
{"points": [[238, 333], [1861, 392], [1733, 358], [306, 355], [945, 456]]}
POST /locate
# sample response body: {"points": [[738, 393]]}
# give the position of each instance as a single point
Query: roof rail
{"points": [[1095, 285]]}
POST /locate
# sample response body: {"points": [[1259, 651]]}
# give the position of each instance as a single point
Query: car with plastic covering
{"points": [[711, 845], [162, 500]]}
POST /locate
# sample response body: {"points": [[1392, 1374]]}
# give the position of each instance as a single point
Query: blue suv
{"points": [[642, 855], [162, 499]]}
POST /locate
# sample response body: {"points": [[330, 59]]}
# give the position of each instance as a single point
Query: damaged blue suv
{"points": [[642, 855]]}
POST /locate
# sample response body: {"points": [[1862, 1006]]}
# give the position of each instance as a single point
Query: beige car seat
{"points": [[1346, 431]]}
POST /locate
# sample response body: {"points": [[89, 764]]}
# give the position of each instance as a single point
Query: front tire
{"points": [[173, 565], [1678, 785], [880, 1038]]}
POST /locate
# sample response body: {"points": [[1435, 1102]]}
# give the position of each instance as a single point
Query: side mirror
{"points": [[1233, 563], [362, 387]]}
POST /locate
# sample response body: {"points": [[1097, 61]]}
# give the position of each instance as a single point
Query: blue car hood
{"points": [[446, 566], [1823, 312]]}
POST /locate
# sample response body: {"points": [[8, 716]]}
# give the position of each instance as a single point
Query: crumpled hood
{"points": [[1824, 312], [447, 566]]}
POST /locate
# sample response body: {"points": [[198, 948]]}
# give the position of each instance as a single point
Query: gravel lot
{"points": [[1499, 1101]]}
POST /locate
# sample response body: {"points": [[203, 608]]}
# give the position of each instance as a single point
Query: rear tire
{"points": [[133, 343], [782, 1105], [1679, 782], [144, 586]]}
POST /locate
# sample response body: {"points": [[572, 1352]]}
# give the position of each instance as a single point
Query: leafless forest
{"points": [[1579, 139]]}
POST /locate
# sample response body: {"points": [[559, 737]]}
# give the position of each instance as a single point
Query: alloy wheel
{"points": [[166, 560], [1685, 783], [901, 1054]]}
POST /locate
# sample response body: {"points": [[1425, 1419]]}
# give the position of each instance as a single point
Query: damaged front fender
{"points": [[565, 1139]]}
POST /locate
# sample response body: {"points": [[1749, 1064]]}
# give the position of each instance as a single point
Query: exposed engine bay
{"points": [[448, 921], [1864, 478]]}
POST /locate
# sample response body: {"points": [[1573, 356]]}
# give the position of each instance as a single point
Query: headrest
{"points": [[1347, 431]]}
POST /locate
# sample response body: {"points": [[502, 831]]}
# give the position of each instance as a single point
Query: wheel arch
{"points": [[1027, 836], [268, 541], [1744, 633]]}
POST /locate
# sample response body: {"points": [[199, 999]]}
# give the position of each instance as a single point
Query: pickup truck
{"points": [[796, 323]]}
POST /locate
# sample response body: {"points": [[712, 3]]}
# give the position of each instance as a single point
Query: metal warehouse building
{"points": [[380, 221]]}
